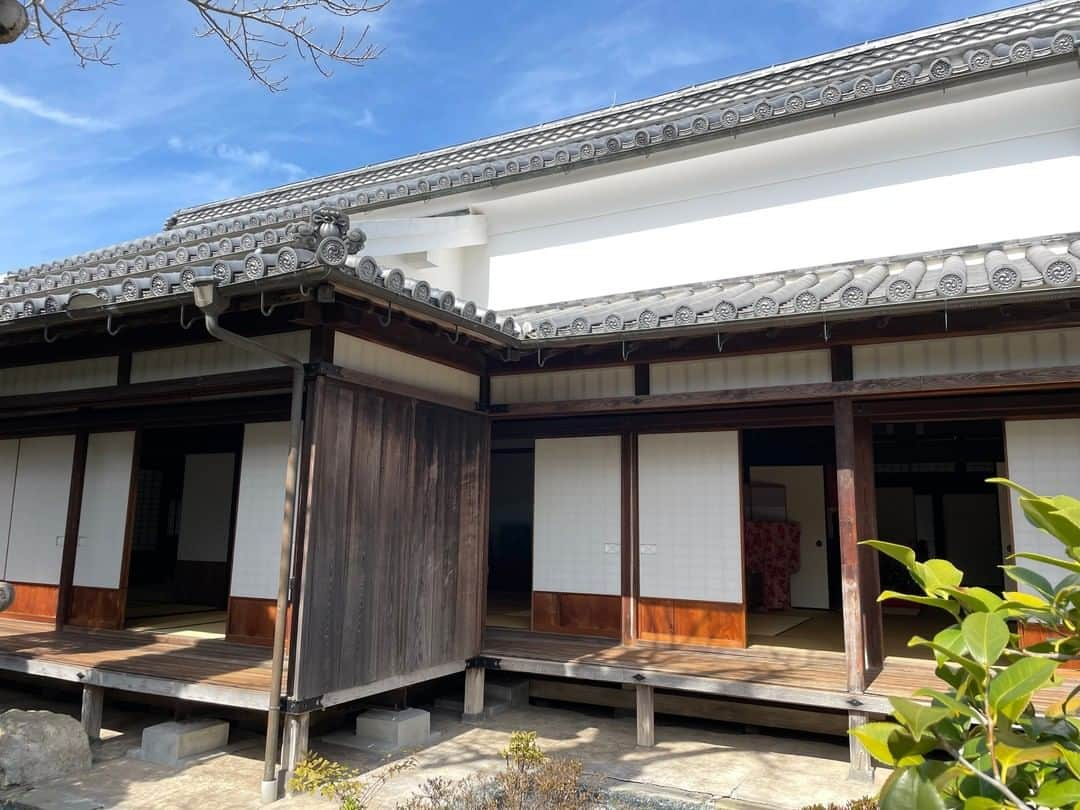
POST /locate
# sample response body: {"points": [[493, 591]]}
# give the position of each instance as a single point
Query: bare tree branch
{"points": [[258, 33]]}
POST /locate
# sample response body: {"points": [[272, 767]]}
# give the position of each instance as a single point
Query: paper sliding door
{"points": [[577, 536], [690, 539]]}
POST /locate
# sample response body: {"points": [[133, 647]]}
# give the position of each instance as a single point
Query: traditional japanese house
{"points": [[607, 402]]}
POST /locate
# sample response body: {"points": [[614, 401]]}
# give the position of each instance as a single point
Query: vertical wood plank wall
{"points": [[396, 540]]}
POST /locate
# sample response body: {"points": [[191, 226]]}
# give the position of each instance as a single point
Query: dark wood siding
{"points": [[394, 559]]}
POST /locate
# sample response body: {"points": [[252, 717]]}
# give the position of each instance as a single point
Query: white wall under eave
{"points": [[69, 375], [214, 357], [989, 161], [259, 510], [397, 366], [558, 386]]}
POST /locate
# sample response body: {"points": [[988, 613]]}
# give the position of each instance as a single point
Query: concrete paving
{"points": [[693, 764]]}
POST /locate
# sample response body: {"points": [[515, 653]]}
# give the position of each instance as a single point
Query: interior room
{"points": [[509, 602], [181, 540], [931, 495]]}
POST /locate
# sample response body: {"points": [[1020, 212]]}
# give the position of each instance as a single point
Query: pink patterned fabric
{"points": [[772, 551]]}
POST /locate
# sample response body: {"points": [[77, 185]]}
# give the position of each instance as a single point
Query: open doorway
{"points": [[510, 539], [931, 494], [185, 512]]}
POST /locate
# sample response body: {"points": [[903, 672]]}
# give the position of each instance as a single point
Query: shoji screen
{"points": [[103, 519], [9, 458], [1044, 456], [39, 509], [576, 524], [259, 510], [690, 516]]}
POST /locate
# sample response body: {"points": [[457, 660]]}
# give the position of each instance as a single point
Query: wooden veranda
{"points": [[200, 670]]}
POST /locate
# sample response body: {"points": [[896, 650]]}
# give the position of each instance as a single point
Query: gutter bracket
{"points": [[109, 327], [52, 339]]}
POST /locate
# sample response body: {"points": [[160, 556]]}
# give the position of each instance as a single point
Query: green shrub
{"points": [[865, 803], [998, 752], [334, 781]]}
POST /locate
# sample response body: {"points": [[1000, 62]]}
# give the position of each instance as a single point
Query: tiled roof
{"points": [[1043, 266], [980, 46], [951, 276]]}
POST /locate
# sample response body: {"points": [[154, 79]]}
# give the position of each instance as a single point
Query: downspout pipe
{"points": [[212, 305]]}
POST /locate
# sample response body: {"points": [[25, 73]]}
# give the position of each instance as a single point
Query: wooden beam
{"points": [[646, 716], [71, 529], [93, 702], [858, 564], [929, 385], [294, 742]]}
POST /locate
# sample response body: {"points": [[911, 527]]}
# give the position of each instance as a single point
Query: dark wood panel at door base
{"points": [[99, 608], [682, 621], [581, 614], [34, 602], [251, 620]]}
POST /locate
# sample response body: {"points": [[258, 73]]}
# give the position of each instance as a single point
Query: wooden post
{"points": [[629, 573], [93, 701], [474, 694], [858, 564], [646, 720], [294, 742], [861, 768], [71, 529]]}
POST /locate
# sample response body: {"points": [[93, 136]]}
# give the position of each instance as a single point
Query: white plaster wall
{"points": [[557, 386], [98, 372], [1044, 456], [401, 367], [690, 516], [9, 459], [981, 163], [213, 358], [103, 519], [577, 515], [804, 486], [998, 352], [740, 371], [39, 510], [259, 510], [206, 507]]}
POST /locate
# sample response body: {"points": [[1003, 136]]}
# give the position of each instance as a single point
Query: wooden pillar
{"points": [[646, 716], [71, 529], [861, 767], [858, 564], [93, 702], [629, 575], [294, 742], [474, 694]]}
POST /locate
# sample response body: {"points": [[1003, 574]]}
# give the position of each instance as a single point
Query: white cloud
{"points": [[259, 160], [40, 109], [366, 120]]}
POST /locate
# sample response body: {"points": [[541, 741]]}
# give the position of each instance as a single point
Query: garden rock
{"points": [[36, 746]]}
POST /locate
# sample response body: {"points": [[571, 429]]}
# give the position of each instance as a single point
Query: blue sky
{"points": [[92, 156]]}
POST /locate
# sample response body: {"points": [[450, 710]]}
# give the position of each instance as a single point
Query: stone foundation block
{"points": [[395, 729], [171, 743]]}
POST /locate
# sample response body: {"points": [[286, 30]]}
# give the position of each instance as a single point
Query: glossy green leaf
{"points": [[875, 738], [917, 716], [1052, 515], [1011, 689], [1033, 579], [945, 653], [957, 707], [986, 636], [929, 601], [1048, 560], [1065, 793], [984, 803], [1012, 749], [938, 575], [975, 599], [1071, 758], [908, 789], [1025, 600], [905, 555]]}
